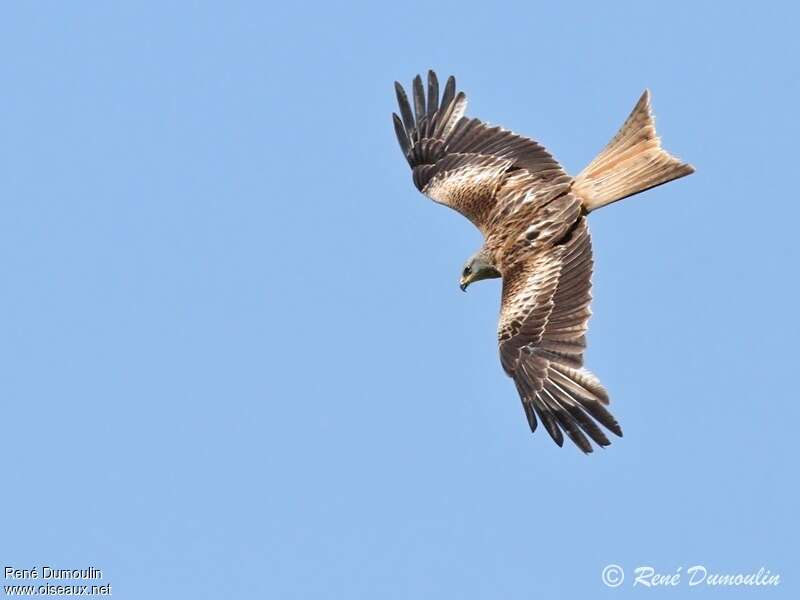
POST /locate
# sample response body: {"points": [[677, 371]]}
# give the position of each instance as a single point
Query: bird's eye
{"points": [[467, 270]]}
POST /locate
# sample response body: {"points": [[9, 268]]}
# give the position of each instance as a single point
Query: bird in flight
{"points": [[532, 215]]}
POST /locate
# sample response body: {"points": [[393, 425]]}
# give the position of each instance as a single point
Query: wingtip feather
{"points": [[433, 94], [419, 99]]}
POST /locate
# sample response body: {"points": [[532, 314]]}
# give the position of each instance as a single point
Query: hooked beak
{"points": [[463, 285]]}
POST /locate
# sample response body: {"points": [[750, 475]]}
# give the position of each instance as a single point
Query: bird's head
{"points": [[478, 267]]}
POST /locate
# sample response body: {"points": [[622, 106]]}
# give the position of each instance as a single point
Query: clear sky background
{"points": [[235, 361]]}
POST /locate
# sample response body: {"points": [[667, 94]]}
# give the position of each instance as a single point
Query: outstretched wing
{"points": [[543, 322], [461, 162]]}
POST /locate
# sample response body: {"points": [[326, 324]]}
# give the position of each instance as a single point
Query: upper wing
{"points": [[462, 162], [543, 321]]}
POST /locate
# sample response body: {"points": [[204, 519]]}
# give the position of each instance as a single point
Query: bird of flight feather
{"points": [[532, 215]]}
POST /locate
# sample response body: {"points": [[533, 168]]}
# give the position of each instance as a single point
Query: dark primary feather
{"points": [[419, 99], [405, 107], [433, 94], [402, 137], [446, 122], [449, 91]]}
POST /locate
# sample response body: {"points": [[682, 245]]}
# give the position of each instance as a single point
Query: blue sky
{"points": [[235, 359]]}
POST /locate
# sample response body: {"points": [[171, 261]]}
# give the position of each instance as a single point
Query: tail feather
{"points": [[632, 162]]}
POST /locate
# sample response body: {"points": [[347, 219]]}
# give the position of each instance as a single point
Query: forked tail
{"points": [[632, 162]]}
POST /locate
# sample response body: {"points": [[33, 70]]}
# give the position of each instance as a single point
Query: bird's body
{"points": [[533, 219]]}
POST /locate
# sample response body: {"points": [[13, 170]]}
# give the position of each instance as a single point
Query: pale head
{"points": [[478, 267]]}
